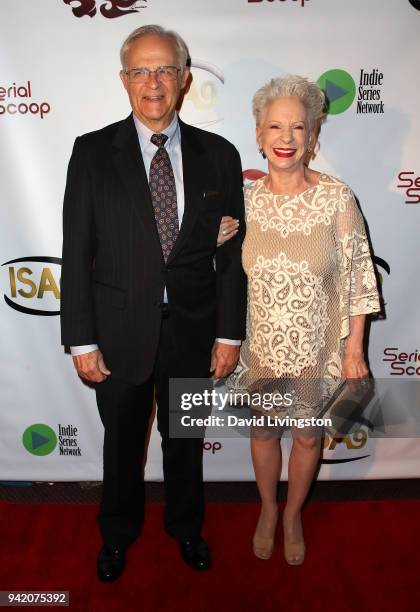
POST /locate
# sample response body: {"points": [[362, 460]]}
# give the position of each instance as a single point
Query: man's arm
{"points": [[82, 350], [77, 316], [230, 277]]}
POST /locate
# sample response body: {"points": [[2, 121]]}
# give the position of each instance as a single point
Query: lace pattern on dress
{"points": [[288, 310]]}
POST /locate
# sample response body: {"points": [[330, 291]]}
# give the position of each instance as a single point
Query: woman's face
{"points": [[283, 133]]}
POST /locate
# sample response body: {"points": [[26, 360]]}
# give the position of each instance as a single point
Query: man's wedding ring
{"points": [[225, 232]]}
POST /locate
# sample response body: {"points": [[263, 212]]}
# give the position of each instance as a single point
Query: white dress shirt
{"points": [[148, 150]]}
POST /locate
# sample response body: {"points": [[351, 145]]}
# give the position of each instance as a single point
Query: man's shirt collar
{"points": [[145, 134]]}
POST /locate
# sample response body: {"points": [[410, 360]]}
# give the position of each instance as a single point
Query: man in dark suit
{"points": [[142, 301]]}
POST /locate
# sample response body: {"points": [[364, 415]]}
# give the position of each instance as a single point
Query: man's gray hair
{"points": [[157, 30], [311, 95]]}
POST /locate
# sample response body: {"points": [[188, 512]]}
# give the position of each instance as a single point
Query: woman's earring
{"points": [[264, 156]]}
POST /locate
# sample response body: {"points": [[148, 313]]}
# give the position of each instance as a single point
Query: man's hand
{"points": [[91, 366], [224, 358]]}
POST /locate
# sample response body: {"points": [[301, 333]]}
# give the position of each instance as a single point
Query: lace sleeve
{"points": [[358, 290]]}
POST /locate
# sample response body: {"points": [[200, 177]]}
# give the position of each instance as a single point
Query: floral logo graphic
{"points": [[108, 8]]}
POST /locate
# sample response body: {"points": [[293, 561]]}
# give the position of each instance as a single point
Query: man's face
{"points": [[153, 102]]}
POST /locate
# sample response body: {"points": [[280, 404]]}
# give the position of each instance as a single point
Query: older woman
{"points": [[310, 286]]}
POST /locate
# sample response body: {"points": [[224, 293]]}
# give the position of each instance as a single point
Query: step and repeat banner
{"points": [[59, 65]]}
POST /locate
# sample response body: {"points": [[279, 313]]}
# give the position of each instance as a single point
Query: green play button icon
{"points": [[339, 88], [334, 92], [39, 439]]}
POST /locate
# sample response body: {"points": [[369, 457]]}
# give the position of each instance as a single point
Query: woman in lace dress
{"points": [[311, 284]]}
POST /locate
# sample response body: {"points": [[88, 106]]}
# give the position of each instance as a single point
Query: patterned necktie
{"points": [[163, 191]]}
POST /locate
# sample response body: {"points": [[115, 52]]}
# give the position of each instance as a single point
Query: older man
{"points": [[141, 299]]}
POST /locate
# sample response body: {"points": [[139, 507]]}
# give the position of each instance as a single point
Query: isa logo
{"points": [[31, 285]]}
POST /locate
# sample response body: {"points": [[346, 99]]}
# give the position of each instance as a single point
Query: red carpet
{"points": [[361, 556]]}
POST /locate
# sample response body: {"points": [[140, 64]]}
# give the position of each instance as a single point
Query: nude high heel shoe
{"points": [[263, 546], [294, 546]]}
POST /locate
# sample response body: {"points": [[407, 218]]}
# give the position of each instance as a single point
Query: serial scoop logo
{"points": [[109, 8], [15, 100], [32, 285], [41, 440], [402, 363], [410, 184], [213, 447]]}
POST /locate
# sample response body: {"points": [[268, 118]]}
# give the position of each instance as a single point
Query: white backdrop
{"points": [[59, 79]]}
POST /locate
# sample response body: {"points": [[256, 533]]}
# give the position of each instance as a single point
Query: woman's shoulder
{"points": [[335, 185], [340, 199]]}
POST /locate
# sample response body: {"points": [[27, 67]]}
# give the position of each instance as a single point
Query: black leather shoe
{"points": [[111, 563], [196, 554]]}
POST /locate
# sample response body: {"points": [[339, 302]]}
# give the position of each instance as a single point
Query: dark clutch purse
{"points": [[346, 406]]}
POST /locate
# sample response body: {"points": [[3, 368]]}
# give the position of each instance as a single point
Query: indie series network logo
{"points": [[39, 439], [339, 88]]}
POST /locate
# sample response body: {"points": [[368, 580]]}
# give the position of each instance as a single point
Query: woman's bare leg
{"points": [[303, 463], [266, 458]]}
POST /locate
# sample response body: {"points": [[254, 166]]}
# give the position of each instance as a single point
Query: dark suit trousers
{"points": [[125, 411]]}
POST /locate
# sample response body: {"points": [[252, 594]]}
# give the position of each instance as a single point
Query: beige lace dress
{"points": [[309, 269]]}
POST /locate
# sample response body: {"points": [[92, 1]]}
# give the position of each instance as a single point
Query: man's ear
{"points": [[185, 78], [123, 78]]}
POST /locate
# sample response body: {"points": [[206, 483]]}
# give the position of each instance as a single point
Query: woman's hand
{"points": [[228, 228], [353, 369], [354, 366]]}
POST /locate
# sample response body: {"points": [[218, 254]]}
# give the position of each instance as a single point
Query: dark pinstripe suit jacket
{"points": [[113, 271]]}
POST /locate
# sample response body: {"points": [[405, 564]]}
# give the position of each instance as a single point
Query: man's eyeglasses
{"points": [[163, 74]]}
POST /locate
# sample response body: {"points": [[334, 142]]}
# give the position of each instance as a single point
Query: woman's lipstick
{"points": [[284, 152]]}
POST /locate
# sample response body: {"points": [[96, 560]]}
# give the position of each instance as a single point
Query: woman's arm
{"points": [[354, 364]]}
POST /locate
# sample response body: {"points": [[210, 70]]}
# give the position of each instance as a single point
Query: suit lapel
{"points": [[192, 153], [128, 161]]}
